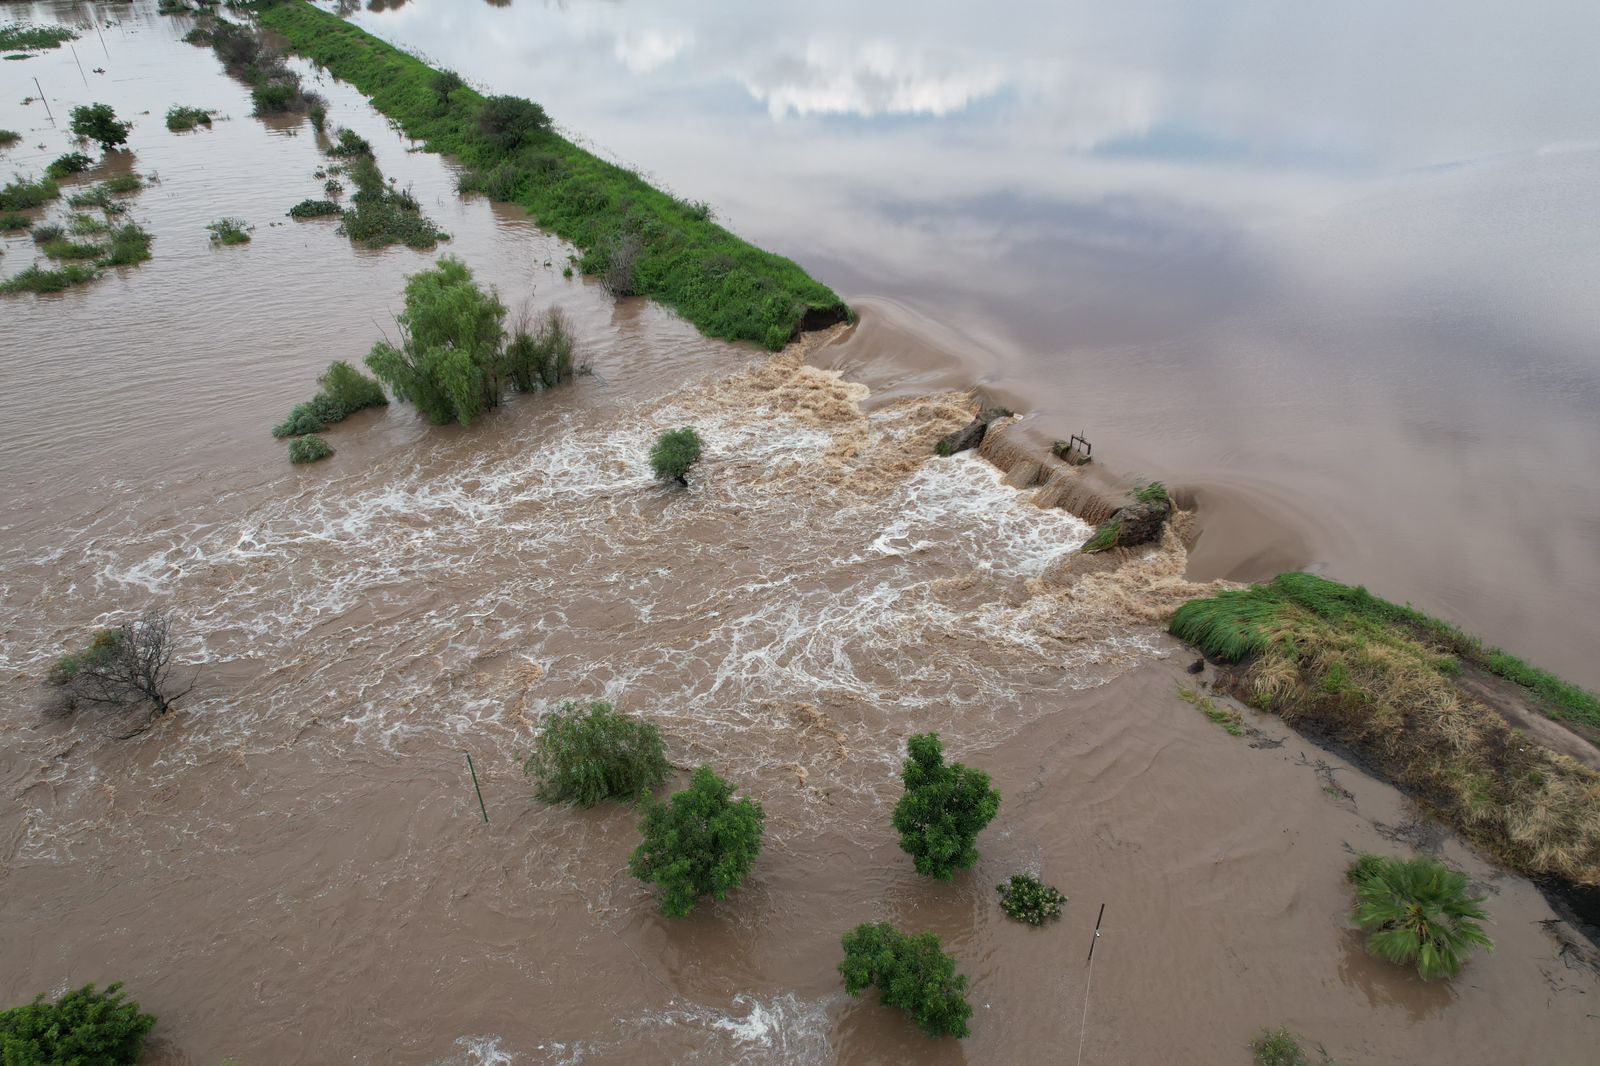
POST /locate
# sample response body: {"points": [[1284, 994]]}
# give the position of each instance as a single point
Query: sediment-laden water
{"points": [[292, 868]]}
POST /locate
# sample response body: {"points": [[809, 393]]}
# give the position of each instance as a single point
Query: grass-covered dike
{"points": [[678, 254], [1385, 682]]}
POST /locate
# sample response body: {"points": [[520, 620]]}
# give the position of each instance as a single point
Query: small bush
{"points": [[315, 209], [9, 137], [910, 972], [15, 220], [302, 420], [350, 144], [587, 754], [390, 219], [70, 163], [333, 187], [123, 183], [181, 118], [943, 810], [1417, 912], [1278, 1047], [1105, 538], [230, 231], [82, 1028], [509, 122], [543, 357], [37, 279], [317, 111], [675, 452], [620, 275], [309, 449], [1153, 492], [1027, 899], [97, 196], [99, 123], [63, 248], [130, 244], [276, 98], [352, 390], [699, 843], [48, 232], [22, 194]]}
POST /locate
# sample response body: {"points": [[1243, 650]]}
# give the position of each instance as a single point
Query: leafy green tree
{"points": [[98, 122], [943, 810], [509, 122], [910, 972], [1417, 911], [588, 754], [449, 362], [444, 83], [1028, 899], [699, 843], [82, 1028], [674, 453]]}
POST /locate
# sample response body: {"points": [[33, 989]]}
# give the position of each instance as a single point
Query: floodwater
{"points": [[293, 869]]}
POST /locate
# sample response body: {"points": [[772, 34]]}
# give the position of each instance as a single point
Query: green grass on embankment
{"points": [[1233, 625], [1382, 680], [725, 286]]}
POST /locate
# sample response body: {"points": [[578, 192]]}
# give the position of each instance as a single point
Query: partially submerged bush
{"points": [[309, 449], [20, 37], [1278, 1047], [15, 220], [9, 137], [99, 123], [449, 361], [22, 194], [40, 280], [130, 245], [181, 118], [128, 665], [585, 754], [68, 164], [910, 972], [541, 357], [315, 209], [350, 145], [82, 1028], [674, 453], [943, 810], [351, 389], [123, 183], [230, 231], [1028, 899], [620, 275], [1417, 912], [699, 843]]}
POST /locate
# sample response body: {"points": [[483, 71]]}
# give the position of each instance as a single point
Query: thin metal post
{"points": [[45, 102], [479, 791], [1096, 939], [78, 61], [102, 37]]}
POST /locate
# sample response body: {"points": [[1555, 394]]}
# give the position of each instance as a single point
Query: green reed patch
{"points": [[66, 165], [309, 449], [230, 231], [21, 36], [315, 209], [9, 137], [23, 193], [45, 280], [180, 118]]}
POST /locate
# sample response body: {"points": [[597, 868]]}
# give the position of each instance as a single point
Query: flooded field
{"points": [[293, 869]]}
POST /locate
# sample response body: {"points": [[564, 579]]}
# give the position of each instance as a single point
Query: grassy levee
{"points": [[725, 286], [1381, 679]]}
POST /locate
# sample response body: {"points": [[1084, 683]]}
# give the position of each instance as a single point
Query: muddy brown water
{"points": [[292, 869]]}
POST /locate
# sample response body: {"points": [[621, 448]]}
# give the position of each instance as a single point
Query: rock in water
{"points": [[971, 435]]}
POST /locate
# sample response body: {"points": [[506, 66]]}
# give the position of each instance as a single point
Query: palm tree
{"points": [[1417, 911]]}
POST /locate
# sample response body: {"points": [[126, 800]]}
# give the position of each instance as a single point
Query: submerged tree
{"points": [[449, 361], [674, 453], [82, 1028], [701, 842], [910, 972], [1417, 912], [586, 754], [128, 665], [943, 810], [98, 123]]}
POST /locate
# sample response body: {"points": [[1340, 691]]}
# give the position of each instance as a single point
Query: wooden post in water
{"points": [[473, 770]]}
